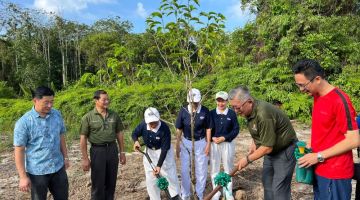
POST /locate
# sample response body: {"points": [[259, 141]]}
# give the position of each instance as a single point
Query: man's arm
{"points": [[24, 183], [85, 158], [64, 150], [120, 140], [351, 141], [258, 153]]}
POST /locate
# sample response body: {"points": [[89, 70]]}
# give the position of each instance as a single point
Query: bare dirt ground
{"points": [[131, 177]]}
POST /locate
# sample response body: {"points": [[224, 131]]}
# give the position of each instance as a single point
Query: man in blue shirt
{"points": [[40, 149], [225, 129]]}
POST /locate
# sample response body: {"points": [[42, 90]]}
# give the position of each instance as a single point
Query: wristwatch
{"points": [[320, 157]]}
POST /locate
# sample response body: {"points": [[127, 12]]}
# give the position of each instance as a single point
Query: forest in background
{"points": [[181, 43]]}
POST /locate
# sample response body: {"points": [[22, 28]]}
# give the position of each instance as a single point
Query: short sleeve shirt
{"points": [[202, 122], [270, 127], [329, 126], [224, 124], [101, 130], [41, 138]]}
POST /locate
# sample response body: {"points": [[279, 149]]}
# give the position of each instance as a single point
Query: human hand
{"points": [[242, 164], [207, 148], [218, 140], [308, 160], [85, 163], [122, 158], [156, 170], [24, 184], [136, 146]]}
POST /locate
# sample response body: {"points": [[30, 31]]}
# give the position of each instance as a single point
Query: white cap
{"points": [[194, 96], [222, 95], [151, 115]]}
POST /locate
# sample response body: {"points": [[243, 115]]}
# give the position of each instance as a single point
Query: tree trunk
{"points": [[48, 59], [2, 70]]}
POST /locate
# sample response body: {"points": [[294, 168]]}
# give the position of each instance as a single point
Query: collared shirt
{"points": [[224, 124], [101, 130], [202, 122], [198, 109], [41, 139], [270, 127], [158, 139], [222, 113]]}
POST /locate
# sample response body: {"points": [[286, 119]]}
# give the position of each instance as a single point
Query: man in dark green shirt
{"points": [[274, 139], [101, 127]]}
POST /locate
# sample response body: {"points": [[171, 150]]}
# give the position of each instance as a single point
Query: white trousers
{"points": [[201, 162], [224, 152], [168, 170]]}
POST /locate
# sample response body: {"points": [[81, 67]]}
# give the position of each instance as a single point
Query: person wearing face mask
{"points": [[202, 137], [102, 127], [274, 139], [224, 130], [334, 132], [157, 138]]}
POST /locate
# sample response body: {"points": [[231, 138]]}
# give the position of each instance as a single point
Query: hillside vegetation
{"points": [[154, 68]]}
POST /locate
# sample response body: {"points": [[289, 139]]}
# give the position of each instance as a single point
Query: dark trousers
{"points": [[57, 183], [104, 167], [277, 174]]}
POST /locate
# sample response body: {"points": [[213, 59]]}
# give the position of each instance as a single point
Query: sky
{"points": [[135, 11]]}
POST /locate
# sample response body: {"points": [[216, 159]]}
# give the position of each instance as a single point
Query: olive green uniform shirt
{"points": [[270, 127], [101, 130]]}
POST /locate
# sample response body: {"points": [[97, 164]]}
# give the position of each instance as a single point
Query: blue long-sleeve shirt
{"points": [[202, 122]]}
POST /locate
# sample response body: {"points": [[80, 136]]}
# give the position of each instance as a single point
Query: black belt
{"points": [[106, 144], [196, 138]]}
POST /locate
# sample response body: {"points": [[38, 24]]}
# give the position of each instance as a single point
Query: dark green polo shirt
{"points": [[100, 130], [270, 127]]}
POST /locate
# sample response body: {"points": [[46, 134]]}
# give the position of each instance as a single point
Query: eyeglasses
{"points": [[304, 85], [241, 106]]}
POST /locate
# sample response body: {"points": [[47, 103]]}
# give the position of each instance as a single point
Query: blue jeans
{"points": [[277, 174], [57, 183], [332, 189]]}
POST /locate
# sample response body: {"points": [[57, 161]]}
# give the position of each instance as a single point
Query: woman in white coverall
{"points": [[157, 138], [224, 130], [202, 134]]}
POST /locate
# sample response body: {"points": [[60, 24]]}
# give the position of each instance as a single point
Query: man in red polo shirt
{"points": [[334, 133]]}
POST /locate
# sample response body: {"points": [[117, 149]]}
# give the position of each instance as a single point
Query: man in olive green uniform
{"points": [[274, 139], [101, 127]]}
